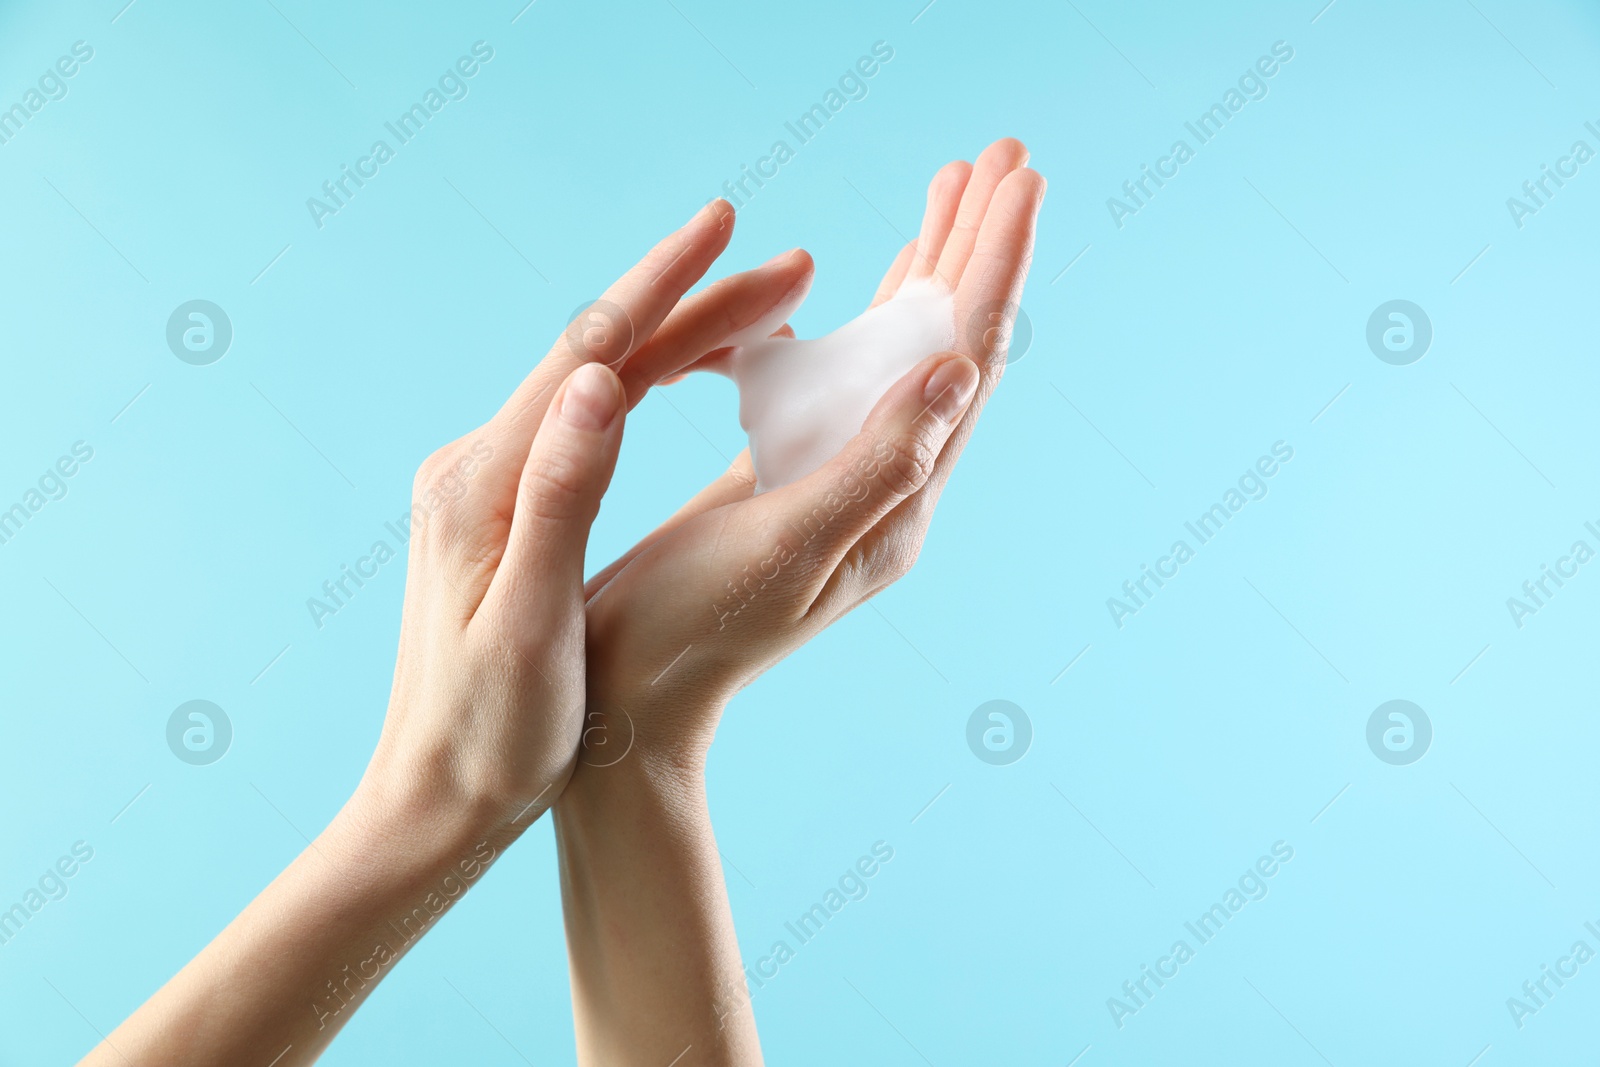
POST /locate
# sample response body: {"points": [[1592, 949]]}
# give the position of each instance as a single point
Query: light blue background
{"points": [[1222, 318]]}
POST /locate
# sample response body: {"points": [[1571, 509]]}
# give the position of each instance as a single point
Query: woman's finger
{"points": [[568, 468], [618, 323], [891, 458], [994, 163], [939, 218], [720, 361], [703, 323], [992, 285], [895, 275]]}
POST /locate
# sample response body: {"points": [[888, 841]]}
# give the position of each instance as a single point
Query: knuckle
{"points": [[430, 469], [424, 498], [442, 485], [908, 464], [553, 488], [443, 476], [604, 332], [891, 560], [899, 562]]}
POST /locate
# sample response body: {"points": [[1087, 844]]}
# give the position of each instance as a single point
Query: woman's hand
{"points": [[486, 712], [727, 587], [735, 582]]}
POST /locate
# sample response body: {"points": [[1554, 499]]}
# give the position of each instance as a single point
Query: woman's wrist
{"points": [[649, 777], [667, 727], [434, 802], [655, 964], [414, 836]]}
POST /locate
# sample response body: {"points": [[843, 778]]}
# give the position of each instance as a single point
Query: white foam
{"points": [[800, 402]]}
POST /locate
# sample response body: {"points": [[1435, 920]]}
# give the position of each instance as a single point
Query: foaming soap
{"points": [[800, 402]]}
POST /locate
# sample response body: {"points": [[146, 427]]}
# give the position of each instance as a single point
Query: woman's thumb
{"points": [[890, 459], [567, 471]]}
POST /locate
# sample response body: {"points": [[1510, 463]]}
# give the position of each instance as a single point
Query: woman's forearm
{"points": [[285, 975], [656, 976]]}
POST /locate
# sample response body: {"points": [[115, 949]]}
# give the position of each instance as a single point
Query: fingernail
{"points": [[776, 258], [950, 387], [710, 208], [591, 401]]}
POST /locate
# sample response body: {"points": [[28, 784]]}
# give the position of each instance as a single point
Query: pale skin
{"points": [[656, 972], [507, 658]]}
